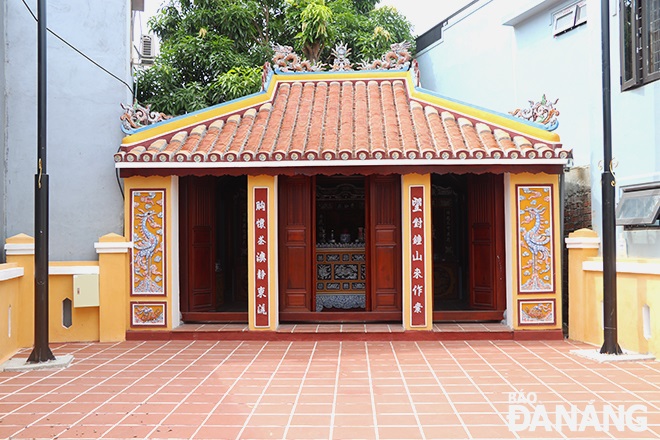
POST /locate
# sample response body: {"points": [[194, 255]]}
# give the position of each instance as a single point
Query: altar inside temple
{"points": [[340, 244]]}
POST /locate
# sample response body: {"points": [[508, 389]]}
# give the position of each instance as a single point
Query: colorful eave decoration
{"points": [[307, 117]]}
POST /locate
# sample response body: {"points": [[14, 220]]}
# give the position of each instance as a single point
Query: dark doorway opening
{"points": [[450, 250], [231, 245], [468, 247], [213, 240]]}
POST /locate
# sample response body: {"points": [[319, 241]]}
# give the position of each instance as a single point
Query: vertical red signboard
{"points": [[417, 257], [261, 257]]}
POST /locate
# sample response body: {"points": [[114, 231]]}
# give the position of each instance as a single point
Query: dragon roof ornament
{"points": [[286, 60], [397, 58], [341, 53], [137, 116], [542, 112]]}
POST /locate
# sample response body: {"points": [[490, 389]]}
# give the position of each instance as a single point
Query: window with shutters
{"points": [[640, 42]]}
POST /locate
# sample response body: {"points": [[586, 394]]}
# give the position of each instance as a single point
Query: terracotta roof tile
{"points": [[375, 112], [346, 128], [331, 123], [303, 122], [338, 118], [208, 141]]}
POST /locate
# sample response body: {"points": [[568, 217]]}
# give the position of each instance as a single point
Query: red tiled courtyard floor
{"points": [[324, 390]]}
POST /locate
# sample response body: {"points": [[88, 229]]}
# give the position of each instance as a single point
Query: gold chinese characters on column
{"points": [[417, 263], [261, 257]]}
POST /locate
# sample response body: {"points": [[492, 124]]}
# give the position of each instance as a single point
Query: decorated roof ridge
{"points": [[240, 105], [472, 111], [359, 121], [137, 118], [288, 66], [197, 115], [373, 114], [507, 122]]}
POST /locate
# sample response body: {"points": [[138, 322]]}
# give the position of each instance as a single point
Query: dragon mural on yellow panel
{"points": [[535, 240], [148, 226]]}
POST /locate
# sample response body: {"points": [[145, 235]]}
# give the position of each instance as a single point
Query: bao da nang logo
{"points": [[527, 414]]}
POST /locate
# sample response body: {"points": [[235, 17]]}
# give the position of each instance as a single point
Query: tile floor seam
{"points": [[410, 399], [481, 391], [334, 393], [302, 384], [60, 386], [621, 389], [256, 404], [127, 386], [238, 379], [557, 393], [374, 415], [552, 390], [486, 362], [172, 356], [448, 395], [52, 374]]}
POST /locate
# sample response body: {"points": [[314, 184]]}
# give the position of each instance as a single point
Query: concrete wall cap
{"points": [[584, 232], [624, 267], [73, 270], [113, 247], [19, 248], [582, 242], [11, 273]]}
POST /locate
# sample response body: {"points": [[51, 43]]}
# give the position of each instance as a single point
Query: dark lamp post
{"points": [[41, 351], [608, 186]]}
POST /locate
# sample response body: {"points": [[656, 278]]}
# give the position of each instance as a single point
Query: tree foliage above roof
{"points": [[213, 50]]}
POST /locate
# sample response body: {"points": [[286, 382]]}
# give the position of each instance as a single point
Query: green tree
{"points": [[213, 50]]}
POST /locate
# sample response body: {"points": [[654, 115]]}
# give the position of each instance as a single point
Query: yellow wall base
{"points": [[638, 297]]}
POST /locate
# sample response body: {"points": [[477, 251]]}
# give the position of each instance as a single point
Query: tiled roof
{"points": [[310, 119]]}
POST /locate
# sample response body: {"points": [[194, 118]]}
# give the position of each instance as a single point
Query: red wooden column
{"points": [[262, 251], [417, 252]]}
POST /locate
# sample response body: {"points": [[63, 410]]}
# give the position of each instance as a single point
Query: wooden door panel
{"points": [[386, 235], [482, 265], [385, 248], [486, 241], [198, 241], [295, 254], [200, 255]]}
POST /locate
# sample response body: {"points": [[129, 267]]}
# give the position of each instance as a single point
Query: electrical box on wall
{"points": [[86, 290]]}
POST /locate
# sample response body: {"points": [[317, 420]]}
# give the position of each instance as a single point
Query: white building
{"points": [[504, 53], [89, 77]]}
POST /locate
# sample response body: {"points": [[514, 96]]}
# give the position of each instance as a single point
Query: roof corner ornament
{"points": [[398, 58], [542, 112], [266, 75], [414, 67], [341, 53], [286, 60], [137, 116]]}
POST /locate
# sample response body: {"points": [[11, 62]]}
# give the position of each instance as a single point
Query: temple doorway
{"points": [[468, 247], [213, 241], [340, 257]]}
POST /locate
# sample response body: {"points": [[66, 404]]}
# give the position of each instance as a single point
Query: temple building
{"points": [[346, 195]]}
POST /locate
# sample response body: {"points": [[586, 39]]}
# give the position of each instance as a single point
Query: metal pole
{"points": [[41, 351], [608, 184]]}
